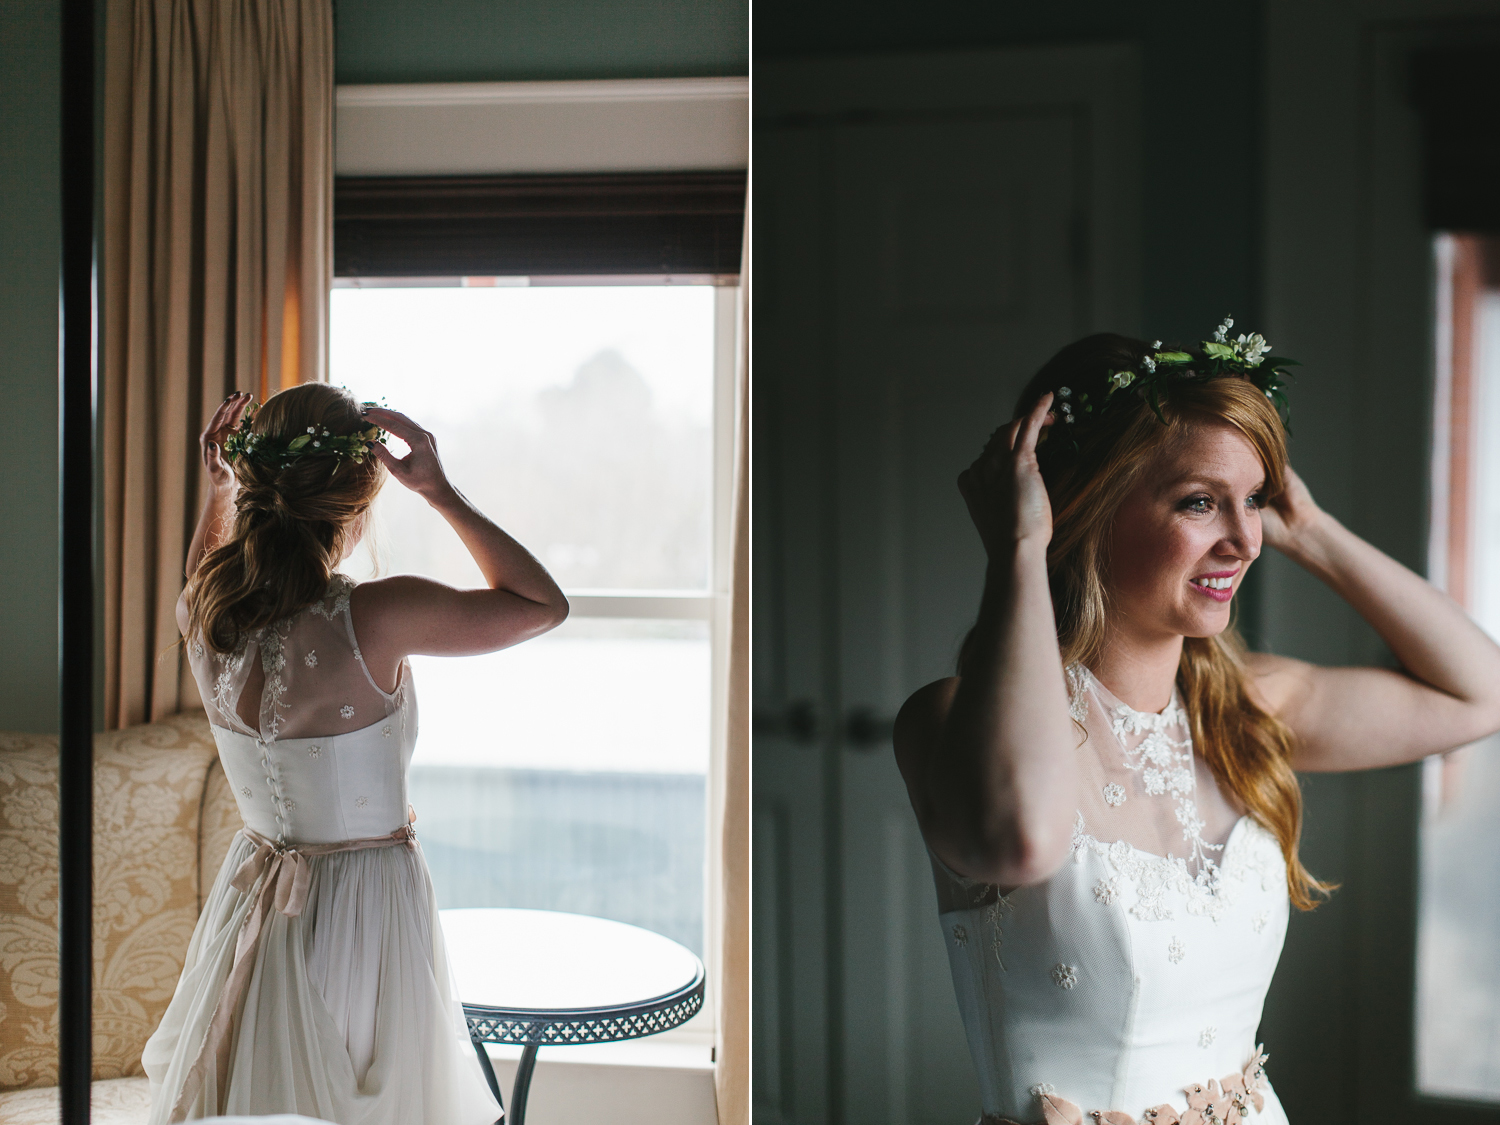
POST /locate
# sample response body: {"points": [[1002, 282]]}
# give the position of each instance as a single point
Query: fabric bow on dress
{"points": [[284, 876]]}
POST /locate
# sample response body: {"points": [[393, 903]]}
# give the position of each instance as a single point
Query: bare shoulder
{"points": [[386, 604], [920, 721], [1277, 683], [397, 591]]}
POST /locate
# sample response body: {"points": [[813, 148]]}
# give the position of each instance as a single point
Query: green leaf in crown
{"points": [[1247, 356], [316, 442]]}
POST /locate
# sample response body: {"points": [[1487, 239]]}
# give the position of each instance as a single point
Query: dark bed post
{"points": [[76, 552]]}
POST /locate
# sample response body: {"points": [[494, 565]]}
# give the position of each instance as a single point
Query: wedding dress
{"points": [[316, 981], [1128, 987]]}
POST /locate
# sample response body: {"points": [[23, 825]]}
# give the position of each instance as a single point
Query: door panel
{"points": [[955, 279], [922, 246]]}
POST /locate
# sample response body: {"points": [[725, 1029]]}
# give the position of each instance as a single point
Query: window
{"points": [[590, 420], [1458, 974]]}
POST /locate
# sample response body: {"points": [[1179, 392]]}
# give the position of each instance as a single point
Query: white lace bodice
{"points": [[327, 761], [1140, 968]]}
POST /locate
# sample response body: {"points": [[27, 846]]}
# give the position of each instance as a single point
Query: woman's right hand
{"points": [[211, 440], [1003, 488], [420, 470]]}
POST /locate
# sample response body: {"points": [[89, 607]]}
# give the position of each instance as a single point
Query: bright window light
{"points": [[567, 773]]}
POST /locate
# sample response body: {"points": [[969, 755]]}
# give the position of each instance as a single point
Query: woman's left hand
{"points": [[1291, 515]]}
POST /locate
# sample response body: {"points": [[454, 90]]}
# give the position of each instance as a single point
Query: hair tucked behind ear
{"points": [[291, 525], [1248, 749]]}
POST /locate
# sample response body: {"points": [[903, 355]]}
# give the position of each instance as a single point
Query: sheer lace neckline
{"points": [[1157, 747], [1171, 714]]}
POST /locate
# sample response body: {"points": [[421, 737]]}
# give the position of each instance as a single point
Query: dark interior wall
{"points": [[1200, 130], [29, 234], [536, 40]]}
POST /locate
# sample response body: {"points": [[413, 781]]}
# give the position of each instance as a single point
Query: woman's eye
{"points": [[1257, 500], [1198, 503]]}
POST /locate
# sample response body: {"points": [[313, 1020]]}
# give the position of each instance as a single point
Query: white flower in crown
{"points": [[1252, 349], [1221, 334], [1121, 379]]}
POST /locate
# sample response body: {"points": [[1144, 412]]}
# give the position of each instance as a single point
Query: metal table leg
{"points": [[489, 1072], [522, 1085]]}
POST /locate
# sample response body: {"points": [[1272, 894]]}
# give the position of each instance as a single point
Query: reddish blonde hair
{"points": [[1249, 749], [291, 525]]}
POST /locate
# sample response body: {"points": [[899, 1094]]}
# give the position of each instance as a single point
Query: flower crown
{"points": [[1246, 358], [316, 442]]}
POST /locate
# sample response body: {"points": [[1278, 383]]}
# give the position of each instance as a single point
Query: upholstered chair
{"points": [[163, 820]]}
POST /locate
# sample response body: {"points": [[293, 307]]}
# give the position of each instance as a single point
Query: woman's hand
{"points": [[1003, 488], [1447, 691], [211, 440], [420, 470], [1287, 520]]}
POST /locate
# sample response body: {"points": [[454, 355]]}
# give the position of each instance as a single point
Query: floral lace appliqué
{"points": [[337, 595], [273, 663], [1078, 698], [1165, 764]]}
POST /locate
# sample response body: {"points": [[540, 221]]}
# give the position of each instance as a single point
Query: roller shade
{"points": [[631, 223]]}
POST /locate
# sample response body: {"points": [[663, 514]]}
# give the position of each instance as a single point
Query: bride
{"points": [[316, 981], [1108, 787]]}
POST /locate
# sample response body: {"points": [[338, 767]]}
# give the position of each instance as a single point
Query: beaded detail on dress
{"points": [[1142, 964]]}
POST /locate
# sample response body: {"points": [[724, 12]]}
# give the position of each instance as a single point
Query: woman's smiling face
{"points": [[1185, 535]]}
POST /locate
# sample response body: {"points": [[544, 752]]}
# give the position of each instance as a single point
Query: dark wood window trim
{"points": [[541, 225], [1455, 94]]}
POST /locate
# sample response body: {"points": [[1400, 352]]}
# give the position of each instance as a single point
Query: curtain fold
{"points": [[217, 252], [732, 1060]]}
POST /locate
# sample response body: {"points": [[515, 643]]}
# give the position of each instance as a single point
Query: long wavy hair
{"points": [[1248, 749], [292, 525]]}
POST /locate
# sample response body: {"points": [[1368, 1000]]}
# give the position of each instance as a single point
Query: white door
{"points": [[929, 231]]}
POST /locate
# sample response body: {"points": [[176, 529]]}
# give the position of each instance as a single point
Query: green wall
{"points": [[532, 40], [28, 363], [1201, 124]]}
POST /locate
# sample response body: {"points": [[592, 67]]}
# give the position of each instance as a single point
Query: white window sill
{"points": [[635, 1082]]}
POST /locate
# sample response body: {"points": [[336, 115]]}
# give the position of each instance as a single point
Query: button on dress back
{"points": [[317, 981], [323, 754]]}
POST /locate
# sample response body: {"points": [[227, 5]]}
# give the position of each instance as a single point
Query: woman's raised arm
{"points": [[406, 615], [987, 757], [1448, 693], [217, 516]]}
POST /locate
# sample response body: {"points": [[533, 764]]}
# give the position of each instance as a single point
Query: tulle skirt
{"points": [[350, 1014]]}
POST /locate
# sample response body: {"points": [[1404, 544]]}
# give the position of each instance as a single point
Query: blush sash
{"points": [[284, 876]]}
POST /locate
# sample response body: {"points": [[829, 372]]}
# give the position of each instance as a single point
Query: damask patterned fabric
{"points": [[163, 818], [115, 1101]]}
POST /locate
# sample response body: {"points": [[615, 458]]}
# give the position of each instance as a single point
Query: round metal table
{"points": [[544, 978]]}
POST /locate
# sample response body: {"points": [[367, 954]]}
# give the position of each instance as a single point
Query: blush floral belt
{"points": [[1226, 1101]]}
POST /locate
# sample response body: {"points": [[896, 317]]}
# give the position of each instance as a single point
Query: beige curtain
{"points": [[217, 255], [732, 1056]]}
